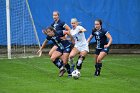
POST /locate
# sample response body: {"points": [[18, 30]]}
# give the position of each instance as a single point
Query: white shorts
{"points": [[82, 48]]}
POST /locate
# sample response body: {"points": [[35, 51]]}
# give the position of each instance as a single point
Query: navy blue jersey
{"points": [[62, 44], [60, 25], [100, 37]]}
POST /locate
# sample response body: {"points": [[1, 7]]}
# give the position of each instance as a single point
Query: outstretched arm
{"points": [[43, 46], [82, 30], [89, 39], [71, 38]]}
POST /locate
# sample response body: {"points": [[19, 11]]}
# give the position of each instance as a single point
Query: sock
{"points": [[68, 68], [79, 64], [58, 63], [98, 68]]}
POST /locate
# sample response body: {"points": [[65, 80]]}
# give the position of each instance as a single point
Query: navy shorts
{"points": [[97, 51], [65, 50]]}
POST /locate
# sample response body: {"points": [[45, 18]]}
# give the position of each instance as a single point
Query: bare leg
{"points": [[52, 50], [81, 59], [73, 53], [98, 64], [65, 62], [56, 60], [101, 56]]}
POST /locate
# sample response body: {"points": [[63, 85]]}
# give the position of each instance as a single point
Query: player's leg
{"points": [[52, 50], [102, 54], [73, 53], [97, 52], [56, 60], [65, 56], [99, 61], [65, 62], [95, 56], [83, 52], [81, 59]]}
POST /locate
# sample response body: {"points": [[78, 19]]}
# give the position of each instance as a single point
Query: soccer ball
{"points": [[75, 74]]}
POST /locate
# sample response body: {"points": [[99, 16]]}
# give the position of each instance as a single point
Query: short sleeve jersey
{"points": [[56, 39], [100, 37], [78, 37], [60, 25]]}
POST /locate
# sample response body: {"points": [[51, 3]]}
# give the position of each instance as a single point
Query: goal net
{"points": [[18, 36]]}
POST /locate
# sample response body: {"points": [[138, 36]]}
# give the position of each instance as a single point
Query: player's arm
{"points": [[71, 38], [67, 28], [89, 39], [43, 46], [110, 40], [82, 30]]}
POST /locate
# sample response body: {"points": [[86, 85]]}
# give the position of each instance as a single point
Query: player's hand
{"points": [[80, 31], [39, 52], [106, 46]]}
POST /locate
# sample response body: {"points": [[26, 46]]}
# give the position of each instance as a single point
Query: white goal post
{"points": [[18, 35], [8, 29]]}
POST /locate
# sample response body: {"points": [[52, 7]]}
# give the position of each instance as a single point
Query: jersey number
{"points": [[77, 38]]}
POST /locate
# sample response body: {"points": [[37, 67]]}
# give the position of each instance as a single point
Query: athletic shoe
{"points": [[69, 75], [61, 73], [96, 73]]}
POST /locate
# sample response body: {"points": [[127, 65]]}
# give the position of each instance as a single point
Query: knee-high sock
{"points": [[58, 63], [79, 64], [68, 68], [98, 68]]}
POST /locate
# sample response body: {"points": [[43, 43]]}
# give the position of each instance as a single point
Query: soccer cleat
{"points": [[72, 68], [69, 75], [97, 72], [61, 73]]}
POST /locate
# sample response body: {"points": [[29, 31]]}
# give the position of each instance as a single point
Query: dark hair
{"points": [[57, 12], [50, 28], [100, 21]]}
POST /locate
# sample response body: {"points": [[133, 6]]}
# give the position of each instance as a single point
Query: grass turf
{"points": [[120, 74]]}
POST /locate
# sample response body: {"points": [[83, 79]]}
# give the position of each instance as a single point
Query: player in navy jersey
{"points": [[58, 25], [102, 48], [63, 48]]}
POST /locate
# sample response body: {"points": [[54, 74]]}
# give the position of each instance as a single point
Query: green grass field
{"points": [[120, 74]]}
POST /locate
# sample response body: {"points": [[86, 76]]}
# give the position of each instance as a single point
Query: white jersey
{"points": [[79, 38]]}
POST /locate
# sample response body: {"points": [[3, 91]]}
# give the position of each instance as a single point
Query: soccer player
{"points": [[63, 48], [81, 45], [58, 25], [102, 48]]}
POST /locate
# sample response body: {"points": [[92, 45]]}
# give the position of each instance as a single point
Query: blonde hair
{"points": [[75, 20]]}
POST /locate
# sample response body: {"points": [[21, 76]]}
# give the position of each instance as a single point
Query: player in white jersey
{"points": [[81, 45]]}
